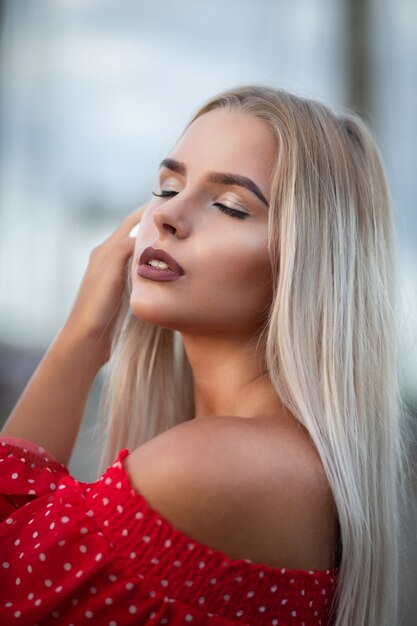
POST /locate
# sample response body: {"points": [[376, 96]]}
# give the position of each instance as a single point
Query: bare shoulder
{"points": [[251, 488]]}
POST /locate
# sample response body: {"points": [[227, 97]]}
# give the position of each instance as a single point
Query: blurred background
{"points": [[94, 93]]}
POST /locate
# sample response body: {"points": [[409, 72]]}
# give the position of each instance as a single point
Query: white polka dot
{"points": [[8, 604], [52, 525], [52, 486], [55, 614], [67, 566], [15, 475], [294, 613], [93, 590], [18, 581], [48, 582], [32, 492], [284, 601], [59, 588], [6, 565], [88, 614], [105, 501], [188, 618], [62, 542], [132, 609], [132, 555], [177, 563], [262, 609], [16, 543], [250, 594], [107, 481], [9, 521], [31, 596], [168, 543], [201, 600], [17, 613], [29, 569], [274, 588], [119, 485], [274, 622], [64, 519], [83, 549], [38, 602], [125, 532], [108, 601], [112, 623], [79, 573], [35, 534], [119, 508], [129, 586], [201, 564], [98, 557], [84, 530], [226, 597], [113, 578]]}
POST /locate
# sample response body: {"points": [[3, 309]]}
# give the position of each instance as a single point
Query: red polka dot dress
{"points": [[74, 554]]}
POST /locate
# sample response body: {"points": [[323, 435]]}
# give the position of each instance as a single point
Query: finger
{"points": [[131, 220], [134, 217]]}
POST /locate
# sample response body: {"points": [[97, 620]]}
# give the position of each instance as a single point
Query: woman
{"points": [[252, 401]]}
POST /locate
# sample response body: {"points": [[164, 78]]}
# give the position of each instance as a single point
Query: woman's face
{"points": [[226, 286]]}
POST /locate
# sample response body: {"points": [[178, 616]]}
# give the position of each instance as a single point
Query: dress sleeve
{"points": [[27, 471], [76, 553]]}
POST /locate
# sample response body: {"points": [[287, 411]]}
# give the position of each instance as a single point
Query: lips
{"points": [[161, 255]]}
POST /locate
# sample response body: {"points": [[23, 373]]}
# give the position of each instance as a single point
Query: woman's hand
{"points": [[98, 300]]}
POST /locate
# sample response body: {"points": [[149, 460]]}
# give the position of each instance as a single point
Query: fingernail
{"points": [[134, 231]]}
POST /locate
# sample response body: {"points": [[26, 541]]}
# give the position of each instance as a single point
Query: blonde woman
{"points": [[251, 463]]}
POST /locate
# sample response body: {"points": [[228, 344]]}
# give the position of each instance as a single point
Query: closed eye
{"points": [[241, 215]]}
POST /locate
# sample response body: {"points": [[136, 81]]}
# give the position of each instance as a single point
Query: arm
{"points": [[51, 408]]}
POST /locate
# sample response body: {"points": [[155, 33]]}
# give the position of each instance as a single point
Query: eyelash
{"points": [[240, 215]]}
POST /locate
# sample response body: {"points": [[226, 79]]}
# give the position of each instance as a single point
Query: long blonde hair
{"points": [[330, 338]]}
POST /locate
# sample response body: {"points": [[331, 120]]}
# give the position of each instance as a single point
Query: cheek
{"points": [[243, 260], [238, 272]]}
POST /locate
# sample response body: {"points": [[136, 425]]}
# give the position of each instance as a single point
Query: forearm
{"points": [[51, 408]]}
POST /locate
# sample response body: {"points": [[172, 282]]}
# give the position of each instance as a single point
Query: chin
{"points": [[150, 313]]}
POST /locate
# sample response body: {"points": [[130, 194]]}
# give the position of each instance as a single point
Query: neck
{"points": [[230, 377]]}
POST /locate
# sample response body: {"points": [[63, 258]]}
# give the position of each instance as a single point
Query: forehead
{"points": [[224, 141]]}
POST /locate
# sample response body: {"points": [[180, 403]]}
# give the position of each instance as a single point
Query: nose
{"points": [[170, 217]]}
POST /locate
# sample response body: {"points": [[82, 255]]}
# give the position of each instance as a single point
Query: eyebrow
{"points": [[218, 177]]}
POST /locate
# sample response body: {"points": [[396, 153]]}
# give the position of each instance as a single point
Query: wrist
{"points": [[75, 340]]}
